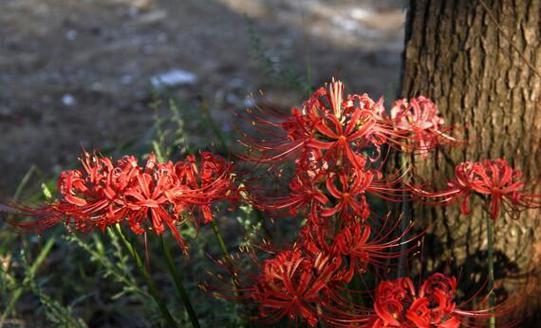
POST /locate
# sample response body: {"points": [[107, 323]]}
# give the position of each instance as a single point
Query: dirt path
{"points": [[76, 73]]}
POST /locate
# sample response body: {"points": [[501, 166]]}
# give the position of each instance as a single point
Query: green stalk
{"points": [[227, 257], [153, 290], [490, 259], [220, 240], [177, 278], [24, 182]]}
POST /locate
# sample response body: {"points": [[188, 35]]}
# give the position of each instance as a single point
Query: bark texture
{"points": [[479, 65]]}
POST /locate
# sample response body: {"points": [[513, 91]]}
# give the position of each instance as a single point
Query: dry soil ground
{"points": [[76, 73]]}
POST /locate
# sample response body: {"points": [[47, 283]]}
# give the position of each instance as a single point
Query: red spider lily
{"points": [[350, 126], [503, 185], [341, 136], [91, 197], [293, 285], [359, 246], [350, 192], [147, 199], [342, 127], [351, 199], [398, 304], [391, 299], [305, 190], [102, 194], [458, 189], [313, 192], [304, 194], [363, 246], [438, 292], [307, 285], [419, 122], [316, 238], [199, 186], [494, 180]]}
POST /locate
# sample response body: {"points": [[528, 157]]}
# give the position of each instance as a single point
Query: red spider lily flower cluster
{"points": [[347, 126], [294, 285], [497, 182], [149, 197], [342, 127], [339, 143], [419, 121], [398, 303], [306, 281], [334, 136]]}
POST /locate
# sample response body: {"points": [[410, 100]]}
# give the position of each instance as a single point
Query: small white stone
{"points": [[172, 78], [71, 35], [68, 100]]}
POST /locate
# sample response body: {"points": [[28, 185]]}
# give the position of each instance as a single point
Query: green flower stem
{"points": [[220, 239], [228, 259], [177, 278], [151, 285], [490, 259]]}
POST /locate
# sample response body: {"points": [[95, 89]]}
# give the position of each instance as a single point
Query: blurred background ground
{"points": [[78, 73]]}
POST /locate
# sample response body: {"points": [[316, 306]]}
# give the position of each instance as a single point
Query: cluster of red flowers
{"points": [[292, 284], [497, 183], [338, 144], [420, 122], [346, 128], [397, 303], [149, 197], [306, 281]]}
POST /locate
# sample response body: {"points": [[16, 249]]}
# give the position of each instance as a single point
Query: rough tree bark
{"points": [[479, 60]]}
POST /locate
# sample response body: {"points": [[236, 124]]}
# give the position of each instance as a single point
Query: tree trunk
{"points": [[479, 61]]}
